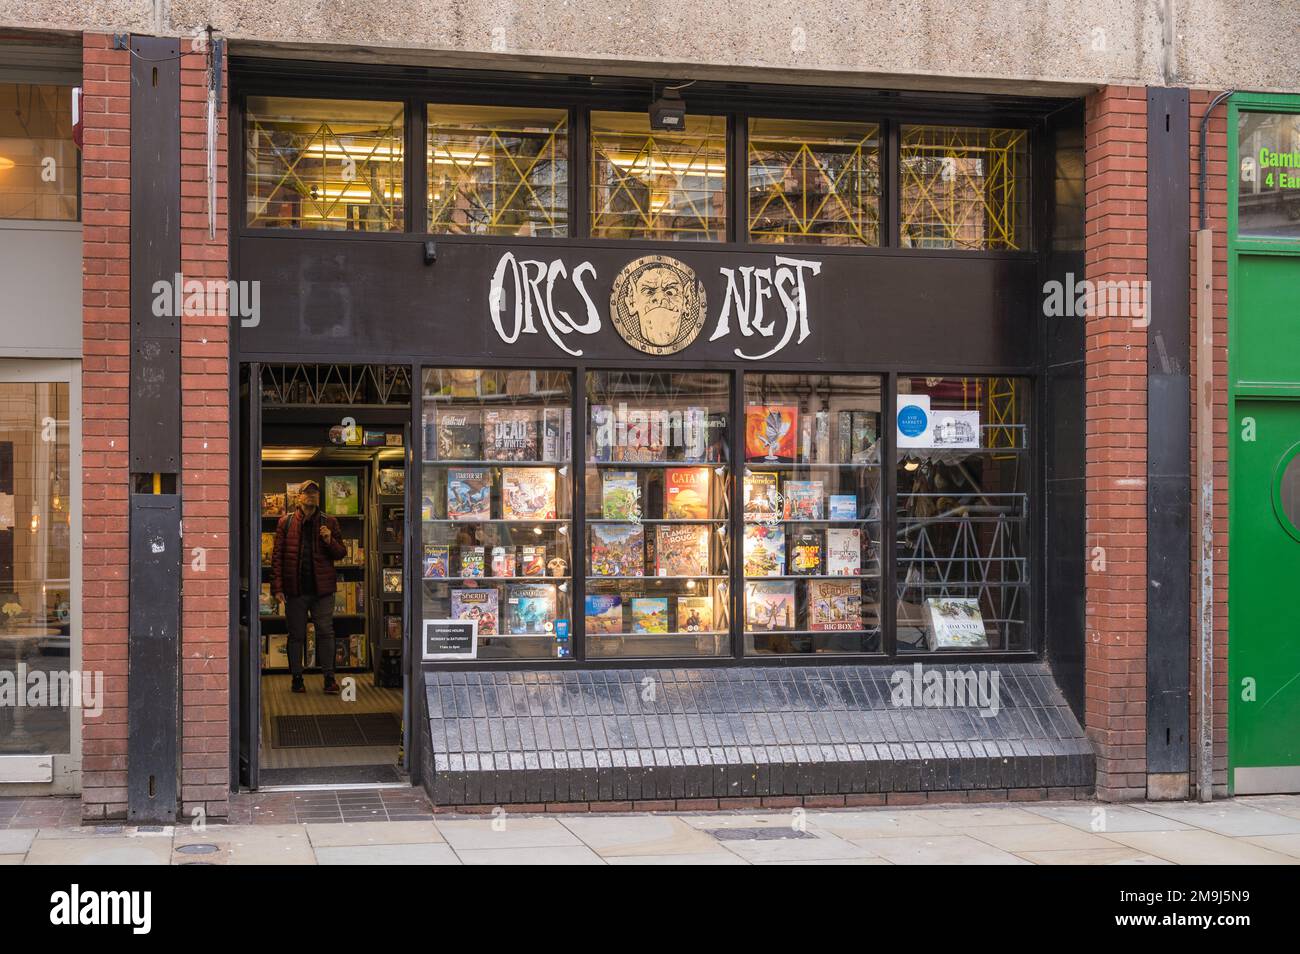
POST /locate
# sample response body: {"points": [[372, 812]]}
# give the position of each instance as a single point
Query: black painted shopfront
{"points": [[744, 447]]}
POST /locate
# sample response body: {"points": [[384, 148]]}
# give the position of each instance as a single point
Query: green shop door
{"points": [[1264, 644]]}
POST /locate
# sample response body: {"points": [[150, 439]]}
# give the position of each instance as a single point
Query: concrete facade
{"points": [[989, 45]]}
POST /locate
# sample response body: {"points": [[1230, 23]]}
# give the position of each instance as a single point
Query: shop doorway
{"points": [[346, 429]]}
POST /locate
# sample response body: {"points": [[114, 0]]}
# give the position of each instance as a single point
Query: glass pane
{"points": [[39, 162], [496, 507], [1268, 182], [35, 589], [1288, 492], [964, 188], [324, 164], [498, 171], [658, 508], [658, 185], [814, 182], [811, 510], [964, 474]]}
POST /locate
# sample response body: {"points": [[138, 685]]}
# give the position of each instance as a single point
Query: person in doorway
{"points": [[303, 578]]}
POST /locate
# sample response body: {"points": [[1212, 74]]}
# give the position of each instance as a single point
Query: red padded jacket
{"points": [[288, 544]]}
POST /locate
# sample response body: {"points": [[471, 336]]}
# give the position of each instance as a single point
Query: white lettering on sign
{"points": [[755, 285], [531, 302], [771, 303]]}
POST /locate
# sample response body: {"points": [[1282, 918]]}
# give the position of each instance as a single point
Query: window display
{"points": [[658, 506], [964, 472], [496, 511], [1268, 175], [811, 513]]}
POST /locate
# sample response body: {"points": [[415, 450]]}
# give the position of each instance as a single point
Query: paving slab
{"points": [[107, 850], [1092, 856], [1097, 818], [1284, 844], [940, 850], [12, 859], [558, 855], [993, 816], [16, 841], [814, 846], [425, 853], [1227, 818], [614, 835], [696, 858], [1052, 836], [350, 834], [1198, 847], [510, 831], [877, 824]]}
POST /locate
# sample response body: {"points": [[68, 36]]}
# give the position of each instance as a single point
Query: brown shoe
{"points": [[331, 687]]}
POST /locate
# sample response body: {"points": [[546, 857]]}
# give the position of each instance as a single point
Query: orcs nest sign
{"points": [[656, 303]]}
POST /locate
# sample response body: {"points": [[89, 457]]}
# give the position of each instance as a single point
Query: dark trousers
{"points": [[321, 609]]}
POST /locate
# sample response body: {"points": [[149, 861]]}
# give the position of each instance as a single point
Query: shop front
{"points": [[684, 463]]}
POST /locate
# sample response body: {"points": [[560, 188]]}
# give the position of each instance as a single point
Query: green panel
{"points": [[1265, 561], [1267, 319]]}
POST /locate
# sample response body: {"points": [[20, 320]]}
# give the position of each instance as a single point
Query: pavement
{"points": [[1256, 830]]}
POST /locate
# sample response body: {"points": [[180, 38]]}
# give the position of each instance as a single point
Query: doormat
{"points": [[363, 728]]}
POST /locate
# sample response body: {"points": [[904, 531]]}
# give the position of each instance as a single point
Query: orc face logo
{"points": [[657, 304]]}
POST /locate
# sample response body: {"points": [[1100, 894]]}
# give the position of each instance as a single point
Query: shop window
{"points": [[324, 164], [964, 188], [658, 504], [496, 508], [814, 182], [498, 171], [35, 538], [666, 186], [39, 162], [1268, 176], [811, 514], [963, 482]]}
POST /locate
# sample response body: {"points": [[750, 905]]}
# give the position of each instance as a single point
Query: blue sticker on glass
{"points": [[912, 421]]}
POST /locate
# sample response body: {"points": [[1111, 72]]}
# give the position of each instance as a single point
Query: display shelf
{"points": [[715, 464], [865, 631], [800, 521], [496, 463], [752, 465], [491, 579], [653, 576], [816, 576], [519, 523], [702, 520]]}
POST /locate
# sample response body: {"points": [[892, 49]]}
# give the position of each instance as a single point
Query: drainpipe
{"points": [[1205, 472]]}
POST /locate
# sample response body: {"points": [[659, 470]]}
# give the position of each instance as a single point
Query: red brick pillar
{"points": [[106, 323], [1216, 207], [1115, 710], [205, 462]]}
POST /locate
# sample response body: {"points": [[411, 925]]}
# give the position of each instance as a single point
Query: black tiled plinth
{"points": [[635, 734]]}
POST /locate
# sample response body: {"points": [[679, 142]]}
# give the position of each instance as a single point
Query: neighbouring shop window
{"points": [[496, 507], [658, 505], [964, 474], [498, 171], [811, 512], [39, 162], [814, 182], [35, 584], [1268, 177], [649, 184], [964, 188], [324, 164]]}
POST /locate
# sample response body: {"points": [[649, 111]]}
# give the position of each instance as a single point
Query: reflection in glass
{"points": [[962, 548], [658, 502], [1268, 180], [814, 182], [811, 512], [35, 588], [324, 164], [39, 162], [658, 185], [497, 170], [496, 507], [963, 187]]}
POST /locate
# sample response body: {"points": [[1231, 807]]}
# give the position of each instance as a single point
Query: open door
{"points": [[250, 559]]}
